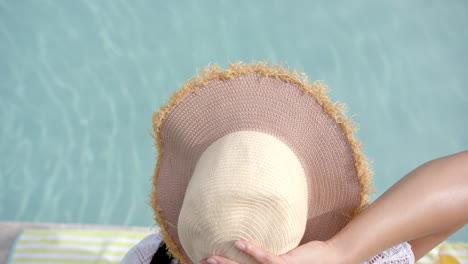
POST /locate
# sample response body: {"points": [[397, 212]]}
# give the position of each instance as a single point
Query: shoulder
{"points": [[143, 252]]}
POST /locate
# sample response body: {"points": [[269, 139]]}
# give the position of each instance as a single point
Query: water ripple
{"points": [[79, 79]]}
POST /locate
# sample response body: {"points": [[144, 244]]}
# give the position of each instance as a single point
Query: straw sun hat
{"points": [[256, 153]]}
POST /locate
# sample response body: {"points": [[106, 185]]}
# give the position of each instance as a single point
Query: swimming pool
{"points": [[80, 80]]}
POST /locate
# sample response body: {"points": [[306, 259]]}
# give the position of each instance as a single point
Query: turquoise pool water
{"points": [[79, 81]]}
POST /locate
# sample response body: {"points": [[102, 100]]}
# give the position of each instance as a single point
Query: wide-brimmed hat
{"points": [[254, 152]]}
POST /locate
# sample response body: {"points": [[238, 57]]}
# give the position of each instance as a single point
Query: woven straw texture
{"points": [[267, 99], [245, 185]]}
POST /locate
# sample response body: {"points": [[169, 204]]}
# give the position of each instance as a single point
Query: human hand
{"points": [[309, 253]]}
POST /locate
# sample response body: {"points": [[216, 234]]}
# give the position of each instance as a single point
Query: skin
{"points": [[424, 218]]}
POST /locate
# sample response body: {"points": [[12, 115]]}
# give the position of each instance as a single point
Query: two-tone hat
{"points": [[254, 152]]}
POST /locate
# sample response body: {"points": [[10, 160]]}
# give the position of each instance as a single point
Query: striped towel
{"points": [[73, 246], [447, 253]]}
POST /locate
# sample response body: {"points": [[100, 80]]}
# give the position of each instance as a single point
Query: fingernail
{"points": [[212, 261], [240, 245]]}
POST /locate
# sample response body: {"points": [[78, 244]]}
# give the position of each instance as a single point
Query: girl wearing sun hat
{"points": [[255, 153]]}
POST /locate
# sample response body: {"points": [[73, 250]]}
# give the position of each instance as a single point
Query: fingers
{"points": [[217, 260], [258, 254]]}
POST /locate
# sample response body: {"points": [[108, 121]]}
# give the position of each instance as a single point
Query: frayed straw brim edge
{"points": [[317, 89]]}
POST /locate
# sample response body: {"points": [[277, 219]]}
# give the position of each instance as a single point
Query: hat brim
{"points": [[267, 99]]}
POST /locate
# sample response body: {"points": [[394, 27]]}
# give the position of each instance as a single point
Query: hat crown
{"points": [[246, 185]]}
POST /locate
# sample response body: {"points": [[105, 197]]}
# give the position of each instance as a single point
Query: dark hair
{"points": [[161, 256]]}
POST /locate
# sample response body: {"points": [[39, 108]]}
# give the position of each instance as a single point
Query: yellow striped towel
{"points": [[447, 253], [73, 246]]}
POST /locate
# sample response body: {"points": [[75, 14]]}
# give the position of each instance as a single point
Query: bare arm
{"points": [[424, 207], [421, 246]]}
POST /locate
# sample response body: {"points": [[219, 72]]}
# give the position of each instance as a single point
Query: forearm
{"points": [[421, 246], [430, 199]]}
